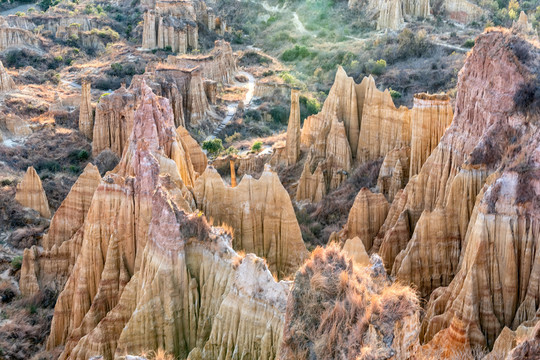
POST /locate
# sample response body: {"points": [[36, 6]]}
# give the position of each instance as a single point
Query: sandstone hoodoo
{"points": [[86, 119], [50, 265], [30, 193], [453, 238], [225, 190], [174, 24], [431, 115], [260, 214], [139, 225], [293, 130]]}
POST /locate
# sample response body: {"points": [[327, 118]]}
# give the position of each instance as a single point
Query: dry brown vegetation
{"points": [[333, 304], [25, 326]]}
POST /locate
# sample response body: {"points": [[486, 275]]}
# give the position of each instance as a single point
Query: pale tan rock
{"points": [[183, 87], [417, 8], [86, 119], [356, 250], [391, 15], [383, 126], [72, 212], [311, 186], [120, 212], [6, 82], [394, 172], [430, 117], [522, 23], [293, 130], [197, 156], [367, 216], [233, 173], [30, 193], [261, 215], [218, 65], [16, 38], [113, 122], [150, 276]]}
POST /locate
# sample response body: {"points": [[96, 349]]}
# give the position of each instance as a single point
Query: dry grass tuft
{"points": [[333, 304]]}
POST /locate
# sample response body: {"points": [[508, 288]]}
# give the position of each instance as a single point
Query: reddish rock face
{"points": [[479, 252]]}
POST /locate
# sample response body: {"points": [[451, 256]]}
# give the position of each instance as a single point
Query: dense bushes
{"points": [[296, 53], [527, 98], [214, 146]]}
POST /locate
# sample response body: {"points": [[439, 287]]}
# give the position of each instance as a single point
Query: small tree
{"points": [[214, 146], [257, 146]]}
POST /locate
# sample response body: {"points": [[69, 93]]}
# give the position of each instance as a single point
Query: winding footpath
{"points": [[232, 108]]}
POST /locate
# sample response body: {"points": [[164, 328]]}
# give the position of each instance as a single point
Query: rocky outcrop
{"points": [[16, 38], [293, 130], [462, 11], [30, 193], [394, 172], [191, 146], [391, 15], [185, 90], [72, 212], [430, 116], [366, 216], [311, 186], [113, 122], [417, 8], [86, 119], [335, 310], [218, 65], [6, 82], [383, 126], [471, 209], [261, 215], [149, 275], [522, 24], [373, 125], [50, 265], [356, 250]]}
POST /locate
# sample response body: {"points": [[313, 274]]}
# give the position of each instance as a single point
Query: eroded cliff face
{"points": [[150, 274], [431, 115], [394, 172], [337, 310], [30, 193], [366, 216], [218, 65], [260, 214], [358, 123], [471, 213], [50, 265], [114, 121], [120, 211], [183, 88], [462, 11]]}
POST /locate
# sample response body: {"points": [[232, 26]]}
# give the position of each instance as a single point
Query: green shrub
{"points": [[6, 182], [394, 94], [231, 150], [296, 53], [469, 43], [376, 67], [257, 146], [280, 114], [214, 146], [252, 115], [20, 13], [16, 263]]}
